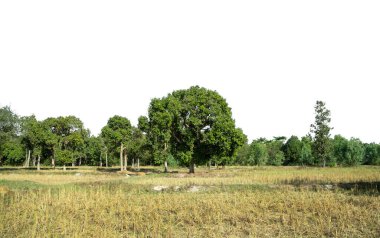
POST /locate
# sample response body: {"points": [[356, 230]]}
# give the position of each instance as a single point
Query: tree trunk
{"points": [[34, 161], [192, 167], [64, 167], [121, 157], [106, 160], [38, 163], [166, 161], [138, 164], [133, 163], [28, 158], [53, 159], [166, 166], [80, 161], [125, 160], [101, 163]]}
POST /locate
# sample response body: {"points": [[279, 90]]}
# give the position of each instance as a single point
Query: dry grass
{"points": [[236, 202]]}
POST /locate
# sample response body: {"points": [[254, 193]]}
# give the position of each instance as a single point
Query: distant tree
{"points": [[138, 147], [9, 128], [242, 157], [320, 132], [372, 154], [64, 139], [158, 127], [275, 154], [339, 149], [292, 151], [32, 134], [306, 151], [354, 153], [13, 152], [259, 153], [94, 151], [117, 134]]}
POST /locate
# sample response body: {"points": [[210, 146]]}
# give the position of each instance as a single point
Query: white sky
{"points": [[271, 60]]}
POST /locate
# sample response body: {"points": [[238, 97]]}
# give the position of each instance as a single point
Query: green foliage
{"points": [[117, 131], [242, 157], [306, 151], [348, 152], [354, 152], [13, 152], [321, 133], [9, 127], [292, 151], [372, 154], [195, 125], [259, 154], [275, 155]]}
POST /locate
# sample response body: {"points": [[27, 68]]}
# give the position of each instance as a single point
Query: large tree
{"points": [[64, 139], [9, 125], [32, 137], [117, 135], [320, 132], [195, 125]]}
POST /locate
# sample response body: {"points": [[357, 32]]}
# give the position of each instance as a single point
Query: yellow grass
{"points": [[236, 202]]}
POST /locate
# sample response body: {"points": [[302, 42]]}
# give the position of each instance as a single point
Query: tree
{"points": [[117, 134], [354, 153], [320, 131], [339, 149], [259, 154], [275, 155], [306, 151], [372, 154], [9, 128], [137, 147], [158, 127], [195, 125], [64, 139], [292, 151], [32, 134], [242, 157]]}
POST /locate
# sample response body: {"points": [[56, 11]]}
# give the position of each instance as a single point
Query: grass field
{"points": [[234, 202]]}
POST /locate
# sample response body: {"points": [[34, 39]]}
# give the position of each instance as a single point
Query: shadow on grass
{"points": [[144, 170], [357, 188]]}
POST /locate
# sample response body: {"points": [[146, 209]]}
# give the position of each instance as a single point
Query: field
{"points": [[233, 202]]}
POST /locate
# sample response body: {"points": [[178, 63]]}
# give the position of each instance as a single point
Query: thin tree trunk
{"points": [[101, 163], [80, 161], [64, 167], [34, 161], [166, 166], [125, 160], [192, 167], [121, 157], [106, 160], [29, 159], [26, 158], [166, 161], [38, 163], [133, 163], [138, 164], [53, 159]]}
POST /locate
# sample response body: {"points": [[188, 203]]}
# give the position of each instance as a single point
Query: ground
{"points": [[233, 202]]}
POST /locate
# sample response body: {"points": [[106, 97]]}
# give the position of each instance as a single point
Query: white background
{"points": [[271, 60]]}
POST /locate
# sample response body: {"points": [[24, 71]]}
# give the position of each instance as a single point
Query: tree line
{"points": [[187, 127]]}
